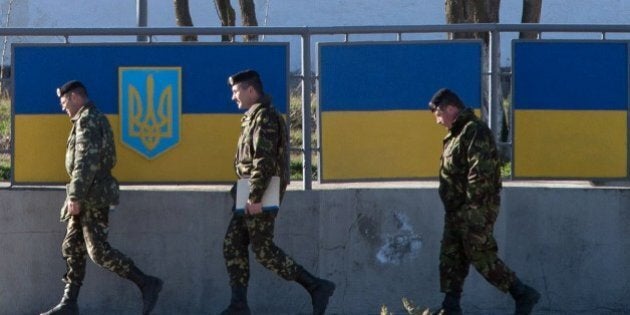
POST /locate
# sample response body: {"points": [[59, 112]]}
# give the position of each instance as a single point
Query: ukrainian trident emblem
{"points": [[150, 108]]}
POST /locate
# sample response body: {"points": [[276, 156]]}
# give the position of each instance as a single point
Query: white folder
{"points": [[270, 200]]}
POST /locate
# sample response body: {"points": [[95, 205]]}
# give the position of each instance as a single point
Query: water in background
{"points": [[122, 13]]}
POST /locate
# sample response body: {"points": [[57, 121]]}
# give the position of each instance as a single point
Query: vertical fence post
{"points": [[495, 84], [306, 111]]}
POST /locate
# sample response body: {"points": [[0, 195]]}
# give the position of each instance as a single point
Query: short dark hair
{"points": [[247, 78], [445, 96]]}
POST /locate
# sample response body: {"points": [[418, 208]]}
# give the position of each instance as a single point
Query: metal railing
{"points": [[148, 34]]}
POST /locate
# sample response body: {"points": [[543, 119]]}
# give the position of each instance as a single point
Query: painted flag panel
{"points": [[169, 105], [373, 103], [570, 109]]}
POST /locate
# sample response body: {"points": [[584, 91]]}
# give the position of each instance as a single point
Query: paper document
{"points": [[270, 200]]}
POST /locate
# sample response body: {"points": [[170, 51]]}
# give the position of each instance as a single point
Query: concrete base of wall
{"points": [[376, 244]]}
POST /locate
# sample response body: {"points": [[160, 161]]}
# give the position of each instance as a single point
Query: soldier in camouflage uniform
{"points": [[90, 157], [470, 187], [261, 154]]}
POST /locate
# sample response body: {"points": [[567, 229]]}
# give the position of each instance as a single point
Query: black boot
{"points": [[238, 302], [68, 304], [525, 297], [319, 289], [450, 305], [149, 286]]}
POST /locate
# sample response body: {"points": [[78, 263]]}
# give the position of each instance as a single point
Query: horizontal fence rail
{"points": [[318, 30]]}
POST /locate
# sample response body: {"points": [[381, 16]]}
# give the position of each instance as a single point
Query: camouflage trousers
{"points": [[468, 239], [86, 234], [256, 230]]}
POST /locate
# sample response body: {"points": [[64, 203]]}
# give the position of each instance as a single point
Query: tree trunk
{"points": [[248, 13], [182, 17], [472, 11], [227, 17], [475, 11], [457, 12], [494, 7], [531, 14]]}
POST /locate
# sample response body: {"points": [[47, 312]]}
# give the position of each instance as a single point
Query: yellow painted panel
{"points": [[205, 152], [570, 144], [380, 144], [39, 148]]}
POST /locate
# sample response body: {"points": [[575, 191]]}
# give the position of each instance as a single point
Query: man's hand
{"points": [[74, 207], [253, 208]]}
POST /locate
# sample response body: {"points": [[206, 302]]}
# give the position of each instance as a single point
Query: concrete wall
{"points": [[376, 244]]}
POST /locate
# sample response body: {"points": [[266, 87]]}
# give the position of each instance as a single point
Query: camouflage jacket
{"points": [[90, 157], [262, 150], [470, 176]]}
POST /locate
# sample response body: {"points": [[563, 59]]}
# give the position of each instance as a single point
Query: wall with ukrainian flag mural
{"points": [[373, 99], [169, 105], [570, 101]]}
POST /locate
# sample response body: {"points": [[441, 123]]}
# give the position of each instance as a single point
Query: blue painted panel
{"points": [[570, 75], [39, 69], [397, 76]]}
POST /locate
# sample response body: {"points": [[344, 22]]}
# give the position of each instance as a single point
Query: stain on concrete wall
{"points": [[404, 244]]}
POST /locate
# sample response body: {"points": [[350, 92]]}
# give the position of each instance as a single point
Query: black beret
{"points": [[445, 97], [69, 86], [245, 75]]}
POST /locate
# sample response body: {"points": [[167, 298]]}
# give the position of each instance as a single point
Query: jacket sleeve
{"points": [[86, 158], [265, 136], [483, 169]]}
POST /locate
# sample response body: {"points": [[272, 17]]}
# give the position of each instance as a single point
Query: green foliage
{"points": [[296, 169], [5, 117], [5, 168], [506, 170], [295, 135], [5, 138]]}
